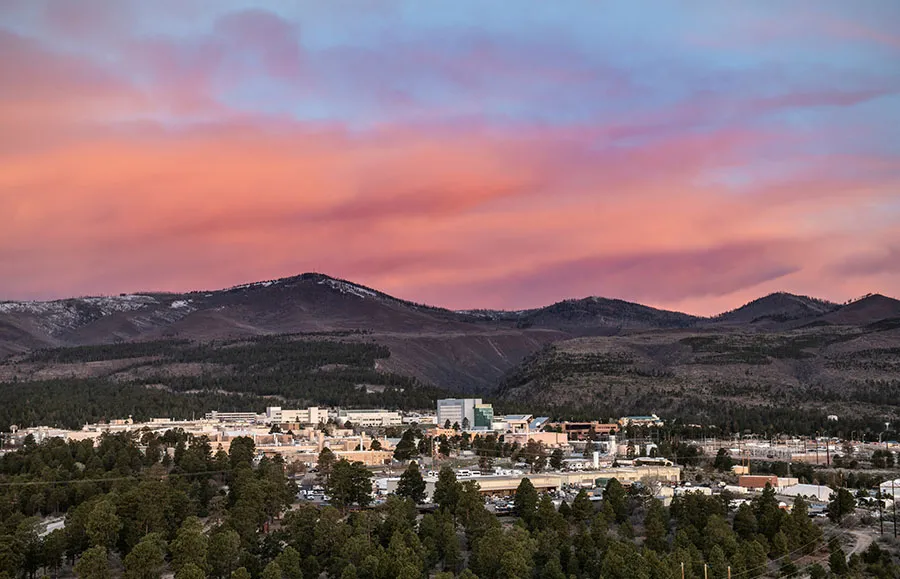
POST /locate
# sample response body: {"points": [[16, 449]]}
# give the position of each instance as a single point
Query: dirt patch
{"points": [[32, 372], [137, 373]]}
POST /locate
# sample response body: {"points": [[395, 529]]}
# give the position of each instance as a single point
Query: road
{"points": [[864, 538]]}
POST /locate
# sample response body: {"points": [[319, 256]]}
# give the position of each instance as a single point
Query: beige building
{"points": [[310, 456], [507, 485], [368, 418], [312, 415], [550, 439]]}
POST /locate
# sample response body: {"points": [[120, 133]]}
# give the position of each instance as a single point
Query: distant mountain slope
{"points": [[761, 380], [463, 350], [583, 315], [778, 308], [868, 310]]}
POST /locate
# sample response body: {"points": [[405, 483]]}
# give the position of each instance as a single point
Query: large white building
{"points": [[312, 415], [232, 416], [468, 413], [369, 417]]}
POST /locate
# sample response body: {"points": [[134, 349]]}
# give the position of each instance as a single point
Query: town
{"points": [[500, 451], [359, 459]]}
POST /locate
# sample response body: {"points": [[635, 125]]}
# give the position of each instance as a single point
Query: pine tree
{"points": [[556, 459], [406, 448], [655, 527], [289, 562], [147, 558], [745, 522], [837, 561], [411, 484], [615, 496], [223, 551], [93, 564], [768, 513], [190, 545], [271, 571], [718, 564], [103, 525], [350, 483], [582, 508], [526, 500], [190, 571], [841, 504], [446, 490], [325, 464]]}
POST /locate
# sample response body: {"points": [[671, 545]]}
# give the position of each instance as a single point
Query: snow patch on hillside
{"points": [[256, 284], [105, 305], [61, 315], [349, 288], [179, 304]]}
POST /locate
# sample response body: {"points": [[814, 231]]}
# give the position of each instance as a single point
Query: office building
{"points": [[312, 415], [468, 413], [367, 418], [484, 417], [232, 416]]}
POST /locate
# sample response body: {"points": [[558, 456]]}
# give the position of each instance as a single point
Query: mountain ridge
{"points": [[467, 350], [324, 278]]}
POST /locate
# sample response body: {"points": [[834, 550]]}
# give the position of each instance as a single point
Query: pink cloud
{"points": [[459, 213], [464, 218]]}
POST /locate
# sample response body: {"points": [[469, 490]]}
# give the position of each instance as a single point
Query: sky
{"points": [[691, 155]]}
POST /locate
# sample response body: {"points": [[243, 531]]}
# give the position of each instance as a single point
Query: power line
{"points": [[111, 479], [790, 554]]}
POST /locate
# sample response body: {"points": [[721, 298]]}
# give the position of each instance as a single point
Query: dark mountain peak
{"points": [[778, 307], [869, 309], [600, 312], [872, 300]]}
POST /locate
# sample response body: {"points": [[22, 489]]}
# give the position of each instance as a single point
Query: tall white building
{"points": [[466, 412]]}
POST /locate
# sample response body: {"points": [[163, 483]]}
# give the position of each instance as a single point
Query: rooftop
{"points": [[517, 417]]}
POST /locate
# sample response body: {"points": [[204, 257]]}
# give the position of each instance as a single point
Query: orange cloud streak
{"points": [[460, 216]]}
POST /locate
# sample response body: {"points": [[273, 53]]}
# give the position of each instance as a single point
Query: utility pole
{"points": [[704, 572], [894, 497], [682, 570], [729, 572], [880, 511]]}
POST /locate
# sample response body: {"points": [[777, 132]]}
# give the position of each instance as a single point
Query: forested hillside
{"points": [[780, 362], [178, 379], [787, 381]]}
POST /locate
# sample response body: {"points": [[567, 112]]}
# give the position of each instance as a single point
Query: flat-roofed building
{"points": [[467, 413], [517, 422], [232, 416], [810, 492], [370, 417], [550, 439], [312, 415], [584, 429], [507, 484], [757, 481]]}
